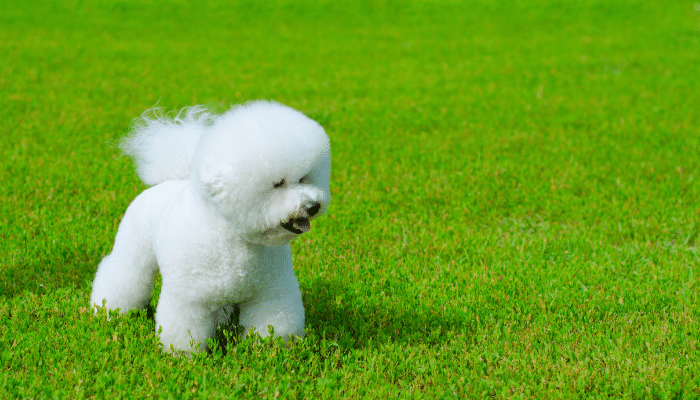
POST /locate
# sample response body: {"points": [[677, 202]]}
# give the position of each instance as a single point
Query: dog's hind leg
{"points": [[125, 278]]}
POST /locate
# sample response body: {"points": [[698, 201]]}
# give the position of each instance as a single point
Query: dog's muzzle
{"points": [[302, 224]]}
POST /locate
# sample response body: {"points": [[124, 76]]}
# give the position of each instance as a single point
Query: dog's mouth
{"points": [[297, 225]]}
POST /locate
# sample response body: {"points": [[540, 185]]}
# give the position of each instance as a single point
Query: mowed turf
{"points": [[515, 194]]}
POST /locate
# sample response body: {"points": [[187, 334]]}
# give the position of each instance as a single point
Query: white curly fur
{"points": [[161, 147], [231, 191]]}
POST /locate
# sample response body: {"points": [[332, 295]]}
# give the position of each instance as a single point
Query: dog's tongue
{"points": [[297, 225]]}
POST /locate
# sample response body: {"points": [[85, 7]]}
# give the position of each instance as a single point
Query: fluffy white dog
{"points": [[229, 193]]}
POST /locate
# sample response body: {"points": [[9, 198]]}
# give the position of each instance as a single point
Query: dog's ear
{"points": [[211, 184], [214, 188]]}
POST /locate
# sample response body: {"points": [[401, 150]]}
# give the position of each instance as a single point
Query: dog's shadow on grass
{"points": [[347, 318], [339, 315]]}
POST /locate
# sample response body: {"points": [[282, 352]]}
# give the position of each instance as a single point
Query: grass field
{"points": [[515, 208]]}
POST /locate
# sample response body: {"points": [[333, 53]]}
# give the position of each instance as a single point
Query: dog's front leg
{"points": [[185, 324], [280, 306]]}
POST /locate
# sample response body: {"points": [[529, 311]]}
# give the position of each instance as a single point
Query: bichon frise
{"points": [[229, 193]]}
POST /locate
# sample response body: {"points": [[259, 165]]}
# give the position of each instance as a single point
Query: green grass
{"points": [[515, 208]]}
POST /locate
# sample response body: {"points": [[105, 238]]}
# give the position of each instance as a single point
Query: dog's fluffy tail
{"points": [[162, 146]]}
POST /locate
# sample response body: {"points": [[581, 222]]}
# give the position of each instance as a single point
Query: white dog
{"points": [[230, 192]]}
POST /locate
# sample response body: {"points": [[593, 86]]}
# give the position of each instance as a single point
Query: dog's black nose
{"points": [[313, 210]]}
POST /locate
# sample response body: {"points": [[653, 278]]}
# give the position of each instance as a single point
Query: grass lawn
{"points": [[515, 204]]}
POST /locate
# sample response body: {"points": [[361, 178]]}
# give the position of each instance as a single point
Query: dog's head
{"points": [[266, 169]]}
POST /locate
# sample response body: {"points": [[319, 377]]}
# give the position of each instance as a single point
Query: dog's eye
{"points": [[279, 184], [303, 179]]}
